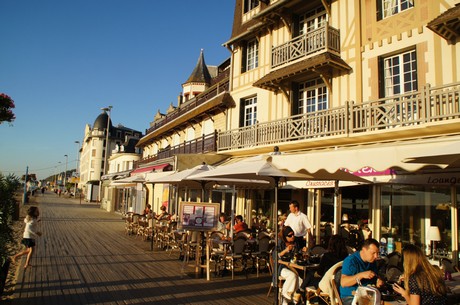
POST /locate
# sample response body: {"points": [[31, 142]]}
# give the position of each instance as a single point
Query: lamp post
{"points": [[76, 168], [56, 174], [108, 110], [65, 173]]}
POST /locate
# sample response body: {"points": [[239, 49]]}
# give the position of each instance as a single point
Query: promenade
{"points": [[84, 257]]}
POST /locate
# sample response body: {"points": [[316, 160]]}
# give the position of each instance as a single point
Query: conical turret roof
{"points": [[201, 73]]}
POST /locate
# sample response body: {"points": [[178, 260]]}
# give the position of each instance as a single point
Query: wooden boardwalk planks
{"points": [[84, 257]]}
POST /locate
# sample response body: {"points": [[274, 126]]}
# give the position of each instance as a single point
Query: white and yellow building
{"points": [[367, 86]]}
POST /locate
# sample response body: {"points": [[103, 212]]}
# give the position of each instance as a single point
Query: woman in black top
{"points": [[423, 283]]}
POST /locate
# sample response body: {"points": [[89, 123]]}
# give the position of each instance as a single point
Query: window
{"points": [[392, 7], [312, 20], [250, 55], [93, 153], [250, 5], [400, 73], [313, 96], [249, 111]]}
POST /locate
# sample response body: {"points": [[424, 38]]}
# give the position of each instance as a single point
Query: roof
{"points": [[101, 121], [447, 25], [201, 73]]}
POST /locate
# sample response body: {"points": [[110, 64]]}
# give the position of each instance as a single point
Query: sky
{"points": [[61, 61]]}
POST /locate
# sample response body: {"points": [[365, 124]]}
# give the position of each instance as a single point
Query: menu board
{"points": [[198, 216]]}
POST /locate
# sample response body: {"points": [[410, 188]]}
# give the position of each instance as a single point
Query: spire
{"points": [[201, 73]]}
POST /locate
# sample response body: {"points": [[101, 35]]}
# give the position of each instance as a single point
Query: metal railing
{"points": [[431, 104], [324, 39]]}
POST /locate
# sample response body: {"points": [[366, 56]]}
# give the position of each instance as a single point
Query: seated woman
{"points": [[163, 214], [336, 252], [423, 282], [287, 249]]}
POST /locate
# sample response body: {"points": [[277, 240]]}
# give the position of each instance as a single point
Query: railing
{"points": [[204, 144], [190, 105], [431, 104], [323, 39]]}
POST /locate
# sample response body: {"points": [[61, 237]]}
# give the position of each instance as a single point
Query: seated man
{"points": [[360, 267]]}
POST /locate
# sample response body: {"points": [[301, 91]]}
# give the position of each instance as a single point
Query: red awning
{"points": [[149, 168]]}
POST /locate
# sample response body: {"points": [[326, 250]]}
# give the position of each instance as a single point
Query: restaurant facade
{"points": [[362, 95]]}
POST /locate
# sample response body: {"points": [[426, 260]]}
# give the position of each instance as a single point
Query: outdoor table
{"points": [[305, 268]]}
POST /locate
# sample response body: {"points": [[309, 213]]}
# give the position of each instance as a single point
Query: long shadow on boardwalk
{"points": [[84, 257]]}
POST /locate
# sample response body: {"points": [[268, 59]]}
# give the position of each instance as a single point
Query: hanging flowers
{"points": [[6, 106]]}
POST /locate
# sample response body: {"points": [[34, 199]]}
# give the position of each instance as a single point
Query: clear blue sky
{"points": [[62, 60]]}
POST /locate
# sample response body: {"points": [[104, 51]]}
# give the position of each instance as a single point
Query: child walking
{"points": [[30, 232]]}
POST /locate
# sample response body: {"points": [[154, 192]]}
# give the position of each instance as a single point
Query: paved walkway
{"points": [[84, 257]]}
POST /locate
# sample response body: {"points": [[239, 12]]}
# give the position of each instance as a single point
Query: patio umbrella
{"points": [[188, 178], [257, 168]]}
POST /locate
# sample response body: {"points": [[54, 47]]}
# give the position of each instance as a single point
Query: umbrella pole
{"points": [[275, 223]]}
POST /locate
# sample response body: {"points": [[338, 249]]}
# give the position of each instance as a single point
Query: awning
{"points": [[129, 181], [445, 154], [379, 158], [149, 168], [151, 176]]}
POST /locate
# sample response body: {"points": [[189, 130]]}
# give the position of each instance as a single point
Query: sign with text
{"points": [[199, 216]]}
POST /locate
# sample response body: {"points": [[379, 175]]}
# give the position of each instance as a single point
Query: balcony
{"points": [[203, 98], [203, 144], [324, 39], [431, 105]]}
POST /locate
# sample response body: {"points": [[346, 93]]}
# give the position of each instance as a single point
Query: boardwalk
{"points": [[84, 257]]}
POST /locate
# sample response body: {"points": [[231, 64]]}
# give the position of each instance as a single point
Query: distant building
{"points": [[93, 152]]}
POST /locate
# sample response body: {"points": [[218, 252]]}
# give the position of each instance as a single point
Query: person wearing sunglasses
{"points": [[286, 251]]}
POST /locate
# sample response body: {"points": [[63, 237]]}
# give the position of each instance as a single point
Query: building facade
{"points": [[186, 135], [93, 152], [370, 87]]}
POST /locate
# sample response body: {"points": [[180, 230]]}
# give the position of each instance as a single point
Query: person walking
{"points": [[423, 283], [30, 233], [299, 222]]}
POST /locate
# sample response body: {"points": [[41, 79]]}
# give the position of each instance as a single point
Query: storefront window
{"points": [[408, 211]]}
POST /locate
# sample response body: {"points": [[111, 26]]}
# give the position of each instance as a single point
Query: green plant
{"points": [[8, 186]]}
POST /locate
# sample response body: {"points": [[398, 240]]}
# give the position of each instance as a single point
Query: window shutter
{"points": [[379, 10], [295, 26], [244, 55], [241, 113], [381, 77], [295, 98]]}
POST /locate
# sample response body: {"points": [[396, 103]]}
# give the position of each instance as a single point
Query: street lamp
{"points": [[76, 168], [65, 173], [56, 174], [108, 110]]}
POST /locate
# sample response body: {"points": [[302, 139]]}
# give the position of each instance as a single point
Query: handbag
{"points": [[366, 295]]}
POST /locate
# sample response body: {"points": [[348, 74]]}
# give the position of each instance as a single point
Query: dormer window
{"points": [[250, 5]]}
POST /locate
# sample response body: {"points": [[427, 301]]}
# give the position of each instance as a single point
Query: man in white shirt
{"points": [[300, 224]]}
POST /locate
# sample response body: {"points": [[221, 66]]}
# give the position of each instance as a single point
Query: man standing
{"points": [[300, 224], [359, 268]]}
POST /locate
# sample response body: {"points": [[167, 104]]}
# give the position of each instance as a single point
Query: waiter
{"points": [[300, 224]]}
